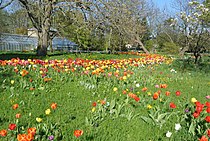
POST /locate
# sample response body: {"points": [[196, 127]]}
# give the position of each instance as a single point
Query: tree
{"points": [[4, 22], [168, 37], [193, 26], [20, 22], [40, 14], [5, 3], [75, 26], [125, 19]]}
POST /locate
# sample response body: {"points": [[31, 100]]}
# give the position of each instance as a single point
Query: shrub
{"points": [[170, 48]]}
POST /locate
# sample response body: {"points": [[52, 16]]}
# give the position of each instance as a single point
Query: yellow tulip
{"points": [[12, 81], [149, 106], [93, 109], [193, 100], [38, 119], [115, 89], [47, 112], [124, 77]]}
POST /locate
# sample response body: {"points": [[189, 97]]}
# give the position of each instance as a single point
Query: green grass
{"points": [[75, 92]]}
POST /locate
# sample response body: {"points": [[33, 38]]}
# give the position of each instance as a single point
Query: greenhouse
{"points": [[15, 42]]}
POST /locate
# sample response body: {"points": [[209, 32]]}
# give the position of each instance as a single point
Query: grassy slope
{"points": [[74, 103]]}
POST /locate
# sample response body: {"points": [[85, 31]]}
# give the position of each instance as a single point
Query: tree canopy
{"points": [[111, 25]]}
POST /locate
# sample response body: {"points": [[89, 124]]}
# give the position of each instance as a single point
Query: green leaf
{"points": [[146, 119], [112, 104], [192, 128], [87, 121], [162, 116]]}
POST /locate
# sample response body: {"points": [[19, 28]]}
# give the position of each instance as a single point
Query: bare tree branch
{"points": [[5, 5]]}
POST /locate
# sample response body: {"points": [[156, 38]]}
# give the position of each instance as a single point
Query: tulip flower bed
{"points": [[140, 98]]}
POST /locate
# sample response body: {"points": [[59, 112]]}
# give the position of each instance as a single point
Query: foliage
{"points": [[22, 31], [187, 64], [170, 48], [4, 21]]}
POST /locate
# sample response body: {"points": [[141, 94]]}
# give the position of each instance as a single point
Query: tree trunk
{"points": [[197, 57], [183, 50], [42, 43], [142, 46], [44, 33]]}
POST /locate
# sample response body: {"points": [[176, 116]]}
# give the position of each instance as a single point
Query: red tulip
{"points": [[172, 105], [12, 126], [78, 133], [199, 107], [178, 93], [94, 104], [208, 104], [208, 132], [207, 119], [208, 110]]}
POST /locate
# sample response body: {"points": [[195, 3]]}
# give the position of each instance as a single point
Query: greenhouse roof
{"points": [[24, 39]]}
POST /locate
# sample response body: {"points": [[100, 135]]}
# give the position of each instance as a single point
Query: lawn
{"points": [[99, 97]]}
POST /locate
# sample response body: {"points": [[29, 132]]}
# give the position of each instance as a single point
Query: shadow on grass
{"points": [[26, 55], [189, 65], [62, 55]]}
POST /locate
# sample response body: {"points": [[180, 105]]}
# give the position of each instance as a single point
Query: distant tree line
{"points": [[110, 25]]}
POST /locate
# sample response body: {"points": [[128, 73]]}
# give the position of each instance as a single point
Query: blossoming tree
{"points": [[194, 28]]}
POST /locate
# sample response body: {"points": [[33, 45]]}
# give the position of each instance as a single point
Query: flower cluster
{"points": [[27, 137], [199, 108]]}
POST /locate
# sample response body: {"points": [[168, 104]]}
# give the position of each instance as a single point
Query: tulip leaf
{"points": [[192, 128]]}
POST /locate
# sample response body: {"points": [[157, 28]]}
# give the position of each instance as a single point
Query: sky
{"points": [[163, 3]]}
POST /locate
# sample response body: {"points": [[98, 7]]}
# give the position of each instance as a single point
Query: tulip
{"points": [[78, 133]]}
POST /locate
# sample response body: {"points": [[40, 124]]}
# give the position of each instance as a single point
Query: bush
{"points": [[170, 48]]}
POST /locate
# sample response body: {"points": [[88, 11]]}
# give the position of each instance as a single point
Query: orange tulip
{"points": [[21, 137], [167, 93], [203, 138], [32, 130], [18, 115], [103, 102], [15, 106], [144, 89], [163, 85], [53, 106], [3, 133], [155, 96]]}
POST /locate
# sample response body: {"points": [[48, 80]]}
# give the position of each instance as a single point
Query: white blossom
{"points": [[137, 85], [173, 70], [128, 46], [177, 126], [191, 3], [168, 134]]}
